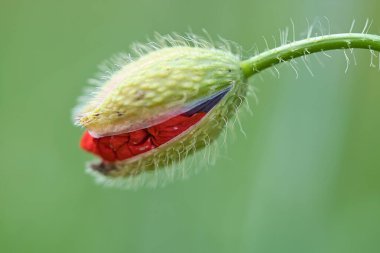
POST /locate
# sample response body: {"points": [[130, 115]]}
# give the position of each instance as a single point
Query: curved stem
{"points": [[308, 46]]}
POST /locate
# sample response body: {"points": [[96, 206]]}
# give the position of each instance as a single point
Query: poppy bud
{"points": [[160, 108]]}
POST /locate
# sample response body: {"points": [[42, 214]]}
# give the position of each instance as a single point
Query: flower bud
{"points": [[160, 108]]}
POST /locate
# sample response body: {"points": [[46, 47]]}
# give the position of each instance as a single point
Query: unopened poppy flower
{"points": [[160, 108], [175, 99]]}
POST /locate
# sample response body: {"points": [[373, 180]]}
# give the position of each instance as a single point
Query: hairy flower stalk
{"points": [[308, 46], [176, 98]]}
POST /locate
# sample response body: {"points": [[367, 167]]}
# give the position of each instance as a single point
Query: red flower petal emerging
{"points": [[123, 146]]}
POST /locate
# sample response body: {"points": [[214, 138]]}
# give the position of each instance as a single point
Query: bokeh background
{"points": [[306, 178]]}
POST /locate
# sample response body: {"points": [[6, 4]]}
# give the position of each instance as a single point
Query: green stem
{"points": [[308, 46]]}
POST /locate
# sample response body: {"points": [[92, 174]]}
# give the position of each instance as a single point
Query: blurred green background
{"points": [[305, 179]]}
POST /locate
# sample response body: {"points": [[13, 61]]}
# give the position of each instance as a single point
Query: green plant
{"points": [[175, 99]]}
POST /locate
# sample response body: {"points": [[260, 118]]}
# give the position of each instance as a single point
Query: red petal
{"points": [[118, 140], [142, 148], [124, 152], [105, 151], [169, 129], [123, 146], [87, 143], [138, 136]]}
